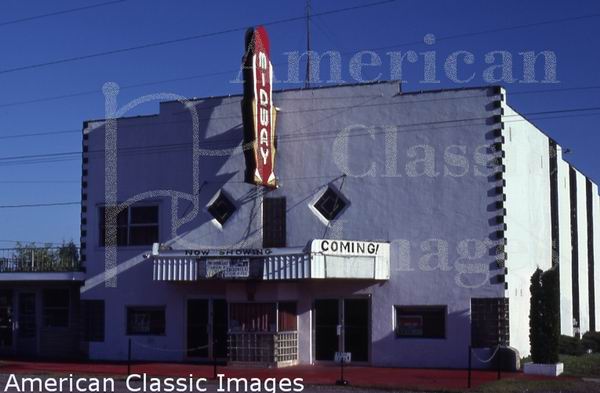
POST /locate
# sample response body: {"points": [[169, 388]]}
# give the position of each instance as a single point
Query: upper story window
{"points": [[136, 226], [56, 307], [330, 204], [274, 225], [221, 207]]}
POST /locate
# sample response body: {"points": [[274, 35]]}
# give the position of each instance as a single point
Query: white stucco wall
{"points": [[528, 234], [565, 258], [439, 223], [584, 310], [596, 203], [596, 226]]}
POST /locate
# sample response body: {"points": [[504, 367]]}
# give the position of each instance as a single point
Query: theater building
{"points": [[282, 228], [404, 227]]}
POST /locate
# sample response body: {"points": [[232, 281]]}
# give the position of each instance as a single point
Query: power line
{"points": [[78, 131], [40, 181], [36, 242], [292, 137], [62, 12], [182, 39], [39, 205], [190, 77], [32, 134]]}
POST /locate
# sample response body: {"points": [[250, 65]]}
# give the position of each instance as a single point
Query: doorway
{"points": [[6, 321], [342, 325], [206, 328], [27, 330]]}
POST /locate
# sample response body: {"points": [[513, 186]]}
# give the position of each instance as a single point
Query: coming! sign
{"points": [[257, 109]]}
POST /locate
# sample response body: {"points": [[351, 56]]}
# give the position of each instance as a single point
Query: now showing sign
{"points": [[227, 268]]}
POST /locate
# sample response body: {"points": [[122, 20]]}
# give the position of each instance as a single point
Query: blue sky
{"points": [[397, 26]]}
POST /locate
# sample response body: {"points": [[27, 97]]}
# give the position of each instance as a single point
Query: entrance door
{"points": [[6, 321], [356, 329], [219, 328], [197, 328], [27, 331], [207, 328], [327, 320], [342, 325]]}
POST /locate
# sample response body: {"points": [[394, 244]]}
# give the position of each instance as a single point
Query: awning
{"points": [[320, 259]]}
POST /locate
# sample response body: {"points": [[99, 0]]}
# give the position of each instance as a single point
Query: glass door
{"points": [[356, 329], [219, 328], [342, 325], [27, 328], [6, 320], [197, 328], [327, 321]]}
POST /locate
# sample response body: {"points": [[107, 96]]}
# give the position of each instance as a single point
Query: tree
{"points": [[544, 317]]}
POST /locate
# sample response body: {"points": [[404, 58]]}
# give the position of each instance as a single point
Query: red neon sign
{"points": [[263, 111]]}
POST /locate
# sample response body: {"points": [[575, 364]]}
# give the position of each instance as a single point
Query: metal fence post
{"points": [[129, 358], [469, 373]]}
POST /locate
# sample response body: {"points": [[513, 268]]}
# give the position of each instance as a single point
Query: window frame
{"points": [[313, 203], [269, 240], [129, 225], [221, 194], [149, 308], [89, 334], [418, 311], [46, 308]]}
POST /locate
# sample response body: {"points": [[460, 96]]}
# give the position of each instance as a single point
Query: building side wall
{"points": [[596, 273], [596, 203], [582, 231], [528, 233], [565, 260]]}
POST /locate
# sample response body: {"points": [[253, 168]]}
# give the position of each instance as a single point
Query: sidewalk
{"points": [[379, 377]]}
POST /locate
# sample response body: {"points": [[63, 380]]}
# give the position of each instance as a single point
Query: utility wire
{"points": [[183, 39], [232, 71], [62, 12], [78, 131], [294, 136], [39, 205]]}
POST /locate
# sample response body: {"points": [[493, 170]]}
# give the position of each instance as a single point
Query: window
{"points": [[489, 322], [145, 320], [274, 230], [221, 208], [253, 317], [330, 204], [27, 326], [56, 307], [421, 321], [287, 316], [93, 320], [136, 226]]}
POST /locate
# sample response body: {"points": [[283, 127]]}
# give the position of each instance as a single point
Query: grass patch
{"points": [[582, 366]]}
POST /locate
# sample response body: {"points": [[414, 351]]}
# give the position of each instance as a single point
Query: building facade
{"points": [[404, 228], [40, 314]]}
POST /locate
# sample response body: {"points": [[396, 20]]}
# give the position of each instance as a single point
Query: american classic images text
{"points": [[142, 383]]}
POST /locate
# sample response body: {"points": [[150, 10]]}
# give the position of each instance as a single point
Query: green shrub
{"points": [[544, 318], [570, 346], [591, 340]]}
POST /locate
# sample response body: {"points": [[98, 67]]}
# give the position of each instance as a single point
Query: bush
{"points": [[568, 345], [591, 340], [544, 318]]}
